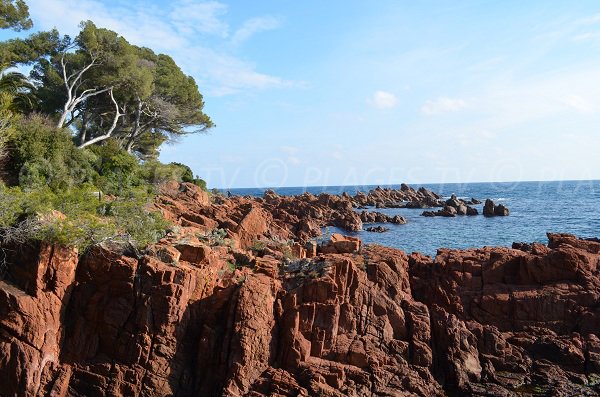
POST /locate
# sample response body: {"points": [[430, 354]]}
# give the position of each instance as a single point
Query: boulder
{"points": [[447, 211], [453, 201], [341, 244], [500, 210], [490, 209], [377, 229], [398, 220]]}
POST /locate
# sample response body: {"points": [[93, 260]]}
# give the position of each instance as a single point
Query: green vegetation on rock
{"points": [[80, 136]]}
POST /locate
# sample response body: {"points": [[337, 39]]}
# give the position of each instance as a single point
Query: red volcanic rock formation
{"points": [[248, 219], [528, 321], [406, 196], [241, 312]]}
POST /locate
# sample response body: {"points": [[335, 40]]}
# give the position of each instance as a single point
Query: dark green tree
{"points": [[30, 50], [14, 15], [103, 87], [16, 92]]}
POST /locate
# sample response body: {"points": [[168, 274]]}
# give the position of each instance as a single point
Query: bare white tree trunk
{"points": [[108, 133], [139, 128], [72, 84]]}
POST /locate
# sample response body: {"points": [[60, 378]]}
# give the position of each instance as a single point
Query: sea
{"points": [[536, 208]]}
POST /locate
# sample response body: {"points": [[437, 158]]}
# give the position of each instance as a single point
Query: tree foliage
{"points": [[104, 87], [14, 15], [16, 92], [15, 98]]}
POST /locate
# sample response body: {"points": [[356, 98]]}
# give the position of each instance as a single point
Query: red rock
{"points": [[202, 315], [32, 312], [298, 251], [311, 249], [193, 252], [252, 226], [341, 244], [515, 308]]}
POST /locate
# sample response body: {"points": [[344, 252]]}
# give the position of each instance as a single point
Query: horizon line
{"points": [[409, 184]]}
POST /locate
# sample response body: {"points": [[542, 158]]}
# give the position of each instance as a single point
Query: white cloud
{"points": [[443, 105], [204, 17], [591, 20], [578, 103], [230, 74], [291, 152], [384, 100], [173, 28], [253, 26], [587, 36]]}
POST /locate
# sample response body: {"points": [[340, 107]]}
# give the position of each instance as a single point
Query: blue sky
{"points": [[355, 92]]}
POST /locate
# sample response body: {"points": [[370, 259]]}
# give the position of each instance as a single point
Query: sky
{"points": [[307, 93]]}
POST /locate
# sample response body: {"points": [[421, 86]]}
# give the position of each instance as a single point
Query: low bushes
{"points": [[41, 155], [78, 217]]}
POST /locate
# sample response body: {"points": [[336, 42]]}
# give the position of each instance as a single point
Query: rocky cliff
{"points": [[236, 301]]}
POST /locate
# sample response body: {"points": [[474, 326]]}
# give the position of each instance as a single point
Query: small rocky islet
{"points": [[242, 299]]}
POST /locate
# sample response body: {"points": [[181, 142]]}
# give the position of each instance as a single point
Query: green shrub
{"points": [[200, 183], [232, 266], [156, 173], [12, 202], [117, 171], [7, 119], [87, 221], [258, 246], [186, 172], [43, 156]]}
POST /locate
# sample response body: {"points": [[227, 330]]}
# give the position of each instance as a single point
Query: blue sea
{"points": [[535, 209]]}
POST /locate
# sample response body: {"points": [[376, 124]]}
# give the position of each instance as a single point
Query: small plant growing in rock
{"points": [[217, 237], [232, 266], [258, 246]]}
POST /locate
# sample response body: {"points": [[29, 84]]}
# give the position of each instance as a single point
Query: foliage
{"points": [[77, 218], [6, 123], [55, 177], [258, 246], [216, 237], [32, 49], [156, 172], [14, 15], [117, 170], [115, 89], [232, 266], [80, 138], [43, 156], [15, 92]]}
